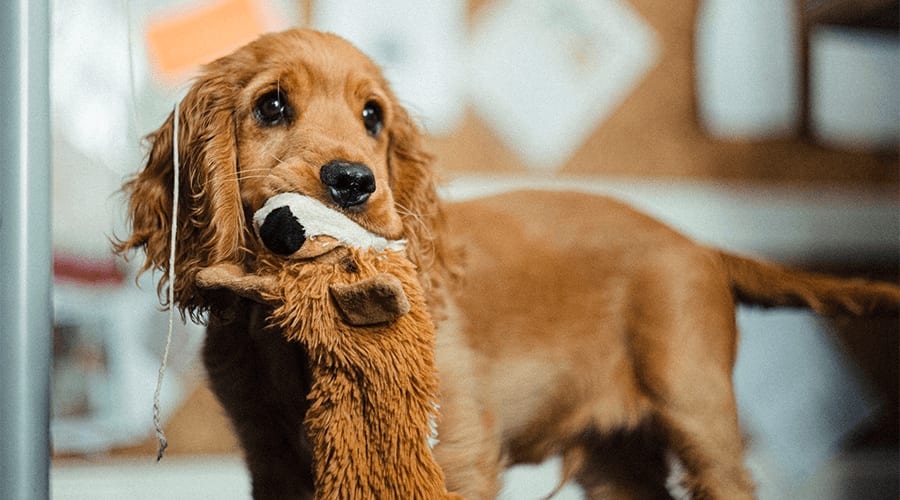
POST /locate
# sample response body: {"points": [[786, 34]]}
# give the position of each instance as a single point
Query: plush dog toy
{"points": [[353, 300]]}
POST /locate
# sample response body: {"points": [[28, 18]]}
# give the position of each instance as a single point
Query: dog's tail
{"points": [[763, 284]]}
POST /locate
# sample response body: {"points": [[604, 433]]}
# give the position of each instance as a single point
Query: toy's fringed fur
{"points": [[374, 388]]}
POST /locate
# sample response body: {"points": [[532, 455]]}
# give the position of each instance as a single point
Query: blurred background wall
{"points": [[769, 127], [776, 92]]}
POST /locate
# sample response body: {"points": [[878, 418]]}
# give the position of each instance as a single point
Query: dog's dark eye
{"points": [[373, 118], [272, 109]]}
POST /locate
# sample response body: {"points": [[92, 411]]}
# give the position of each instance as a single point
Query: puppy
{"points": [[568, 324]]}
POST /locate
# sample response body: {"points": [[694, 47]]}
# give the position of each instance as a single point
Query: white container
{"points": [[747, 68], [855, 87]]}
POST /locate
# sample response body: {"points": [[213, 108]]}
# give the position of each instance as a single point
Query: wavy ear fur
{"points": [[415, 194], [211, 227]]}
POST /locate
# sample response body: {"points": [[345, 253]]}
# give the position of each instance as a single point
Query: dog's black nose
{"points": [[281, 232], [350, 184]]}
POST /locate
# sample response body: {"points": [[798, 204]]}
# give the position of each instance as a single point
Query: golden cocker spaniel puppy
{"points": [[568, 324]]}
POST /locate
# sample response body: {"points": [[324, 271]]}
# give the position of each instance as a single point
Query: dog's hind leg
{"points": [[710, 446], [695, 408], [684, 347]]}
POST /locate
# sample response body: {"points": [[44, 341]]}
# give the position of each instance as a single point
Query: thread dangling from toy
{"points": [[176, 165]]}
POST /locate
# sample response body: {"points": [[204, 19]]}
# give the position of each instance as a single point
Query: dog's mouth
{"points": [[295, 226]]}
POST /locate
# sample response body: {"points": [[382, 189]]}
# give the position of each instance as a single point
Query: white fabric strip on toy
{"points": [[319, 220]]}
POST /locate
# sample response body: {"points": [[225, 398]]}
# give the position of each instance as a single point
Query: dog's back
{"points": [[587, 319]]}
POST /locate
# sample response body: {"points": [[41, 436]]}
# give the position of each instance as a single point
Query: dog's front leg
{"points": [[469, 449], [262, 380]]}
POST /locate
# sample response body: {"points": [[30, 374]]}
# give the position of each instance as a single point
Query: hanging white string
{"points": [[176, 166]]}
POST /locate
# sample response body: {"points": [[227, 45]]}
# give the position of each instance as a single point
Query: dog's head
{"points": [[293, 112]]}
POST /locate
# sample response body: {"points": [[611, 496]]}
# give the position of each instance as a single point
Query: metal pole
{"points": [[25, 254]]}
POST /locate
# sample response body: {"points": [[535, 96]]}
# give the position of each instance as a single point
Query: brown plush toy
{"points": [[352, 298]]}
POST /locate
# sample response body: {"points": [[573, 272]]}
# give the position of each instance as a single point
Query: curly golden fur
{"points": [[580, 328]]}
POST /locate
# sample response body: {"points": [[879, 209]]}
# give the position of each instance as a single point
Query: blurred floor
{"points": [[871, 475], [175, 478]]}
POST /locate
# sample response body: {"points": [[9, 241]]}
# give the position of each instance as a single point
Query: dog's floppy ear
{"points": [[211, 226], [415, 193]]}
